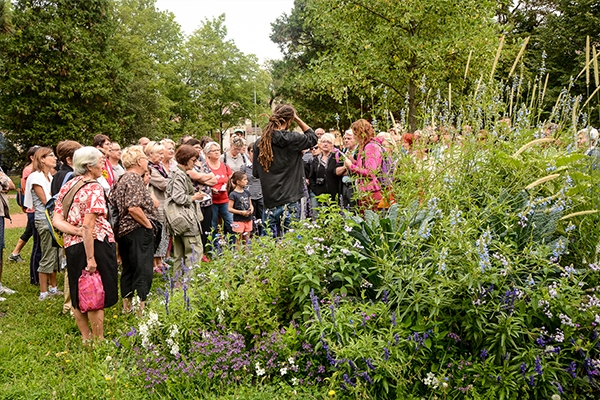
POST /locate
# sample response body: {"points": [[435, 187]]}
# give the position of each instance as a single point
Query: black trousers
{"points": [[106, 259], [137, 257]]}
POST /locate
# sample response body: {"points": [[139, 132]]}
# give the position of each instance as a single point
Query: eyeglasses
{"points": [[314, 148], [49, 155], [217, 150]]}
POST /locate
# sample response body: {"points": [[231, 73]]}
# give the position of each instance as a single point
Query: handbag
{"points": [[180, 219], [91, 291]]}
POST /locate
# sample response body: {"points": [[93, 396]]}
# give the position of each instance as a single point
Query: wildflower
{"points": [[523, 369], [386, 354], [283, 371], [291, 360], [484, 354], [560, 388], [351, 382], [309, 250], [315, 304], [259, 370], [294, 381], [347, 228], [482, 246], [346, 252], [538, 365], [394, 318], [572, 369], [431, 380], [331, 393], [555, 397]]}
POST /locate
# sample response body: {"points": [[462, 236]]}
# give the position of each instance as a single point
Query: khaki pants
{"points": [[187, 251]]}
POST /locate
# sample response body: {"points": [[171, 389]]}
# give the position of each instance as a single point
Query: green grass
{"points": [[42, 356]]}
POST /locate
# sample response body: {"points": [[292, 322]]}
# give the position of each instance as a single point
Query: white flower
{"points": [[224, 295], [174, 331], [259, 370], [108, 358], [294, 381], [309, 250], [291, 360], [283, 371], [555, 397]]}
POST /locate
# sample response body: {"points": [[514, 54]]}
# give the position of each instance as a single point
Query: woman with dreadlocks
{"points": [[278, 164]]}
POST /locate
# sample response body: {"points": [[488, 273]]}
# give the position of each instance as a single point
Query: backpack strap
{"points": [[70, 195]]}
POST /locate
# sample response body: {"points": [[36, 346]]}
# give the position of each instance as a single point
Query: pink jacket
{"points": [[368, 168]]}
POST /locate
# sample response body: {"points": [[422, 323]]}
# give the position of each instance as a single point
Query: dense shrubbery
{"points": [[479, 282]]}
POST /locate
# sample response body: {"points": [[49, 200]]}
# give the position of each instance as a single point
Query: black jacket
{"points": [[284, 182]]}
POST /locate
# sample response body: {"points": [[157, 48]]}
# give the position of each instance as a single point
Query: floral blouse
{"points": [[129, 192], [88, 200]]}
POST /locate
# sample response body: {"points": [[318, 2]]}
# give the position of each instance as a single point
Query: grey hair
{"points": [[85, 157], [208, 145]]}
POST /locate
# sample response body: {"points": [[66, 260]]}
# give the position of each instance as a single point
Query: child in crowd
{"points": [[240, 205]]}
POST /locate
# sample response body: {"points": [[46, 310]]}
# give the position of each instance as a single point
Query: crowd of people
{"points": [[121, 206]]}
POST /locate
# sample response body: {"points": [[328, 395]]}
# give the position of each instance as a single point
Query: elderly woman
{"points": [[158, 184], [367, 166], [37, 194], [89, 239], [135, 235], [322, 176], [220, 198], [187, 247], [168, 161]]}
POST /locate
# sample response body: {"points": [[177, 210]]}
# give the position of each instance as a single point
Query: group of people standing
{"points": [[118, 206]]}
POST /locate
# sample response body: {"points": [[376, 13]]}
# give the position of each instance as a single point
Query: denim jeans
{"points": [[223, 210], [279, 218]]}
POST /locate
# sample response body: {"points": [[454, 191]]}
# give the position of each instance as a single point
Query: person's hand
{"points": [[91, 266], [348, 162], [198, 196]]}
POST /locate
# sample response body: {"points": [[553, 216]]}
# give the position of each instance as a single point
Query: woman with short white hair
{"points": [[89, 240]]}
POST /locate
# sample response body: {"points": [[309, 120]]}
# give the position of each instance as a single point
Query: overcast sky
{"points": [[248, 22]]}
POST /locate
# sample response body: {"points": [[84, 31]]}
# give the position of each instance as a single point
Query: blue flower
{"points": [[538, 365], [484, 354]]}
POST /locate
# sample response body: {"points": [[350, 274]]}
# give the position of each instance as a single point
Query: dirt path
{"points": [[18, 221]]}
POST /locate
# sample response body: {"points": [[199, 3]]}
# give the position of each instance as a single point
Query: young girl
{"points": [[240, 205]]}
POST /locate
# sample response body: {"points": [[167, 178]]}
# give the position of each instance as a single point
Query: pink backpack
{"points": [[91, 292]]}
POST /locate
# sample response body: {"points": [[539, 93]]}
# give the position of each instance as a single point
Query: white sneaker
{"points": [[53, 291], [44, 296], [5, 290]]}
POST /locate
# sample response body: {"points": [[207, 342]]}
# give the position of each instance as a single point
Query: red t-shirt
{"points": [[222, 174]]}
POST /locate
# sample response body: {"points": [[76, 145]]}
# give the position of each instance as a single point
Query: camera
{"points": [[320, 181]]}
